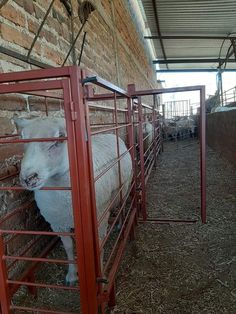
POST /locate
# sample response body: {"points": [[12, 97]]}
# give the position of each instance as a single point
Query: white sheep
{"points": [[148, 134], [46, 164], [224, 108]]}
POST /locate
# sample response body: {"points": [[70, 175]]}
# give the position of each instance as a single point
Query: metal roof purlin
{"points": [[159, 30], [191, 29]]}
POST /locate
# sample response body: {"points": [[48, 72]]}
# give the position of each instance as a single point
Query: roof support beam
{"points": [[193, 70], [159, 30], [210, 60], [191, 37]]}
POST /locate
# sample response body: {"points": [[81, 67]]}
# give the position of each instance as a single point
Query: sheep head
{"points": [[42, 160]]}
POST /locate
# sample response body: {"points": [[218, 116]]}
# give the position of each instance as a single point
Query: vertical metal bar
{"points": [[118, 149], [163, 112], [131, 143], [141, 152], [4, 292], [203, 153], [112, 297], [93, 200], [81, 193], [154, 125]]}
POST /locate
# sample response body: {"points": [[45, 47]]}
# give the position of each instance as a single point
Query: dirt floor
{"points": [[172, 268], [183, 268]]}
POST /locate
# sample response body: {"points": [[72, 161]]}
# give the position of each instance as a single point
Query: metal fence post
{"points": [[4, 292]]}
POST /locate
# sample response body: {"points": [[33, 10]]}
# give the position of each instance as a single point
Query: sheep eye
{"points": [[57, 143], [53, 145]]}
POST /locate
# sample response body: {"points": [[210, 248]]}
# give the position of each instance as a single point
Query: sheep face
{"points": [[42, 160]]}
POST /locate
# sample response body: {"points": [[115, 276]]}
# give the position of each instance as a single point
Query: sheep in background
{"points": [[47, 164], [148, 135], [224, 108]]}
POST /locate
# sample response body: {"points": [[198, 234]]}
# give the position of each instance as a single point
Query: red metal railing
{"points": [[74, 88]]}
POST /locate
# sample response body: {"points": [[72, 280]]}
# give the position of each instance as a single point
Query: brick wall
{"points": [[221, 134], [114, 50]]}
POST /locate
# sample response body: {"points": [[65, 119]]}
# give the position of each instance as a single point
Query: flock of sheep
{"points": [[179, 128]]}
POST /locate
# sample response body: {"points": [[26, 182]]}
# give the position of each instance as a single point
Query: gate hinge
{"points": [[72, 111], [102, 298], [102, 280]]}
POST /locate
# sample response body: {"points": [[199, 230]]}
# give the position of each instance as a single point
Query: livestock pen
{"points": [[26, 250]]}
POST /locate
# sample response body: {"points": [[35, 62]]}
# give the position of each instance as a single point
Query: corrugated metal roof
{"points": [[191, 18]]}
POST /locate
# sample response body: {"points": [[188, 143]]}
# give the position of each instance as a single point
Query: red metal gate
{"points": [[75, 88]]}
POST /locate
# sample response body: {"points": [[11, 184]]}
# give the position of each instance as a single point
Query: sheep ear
{"points": [[60, 133], [21, 123]]}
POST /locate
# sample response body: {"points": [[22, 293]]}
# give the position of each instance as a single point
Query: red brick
{"points": [[14, 36], [12, 102], [53, 55], [39, 13], [9, 150], [6, 127], [38, 103], [29, 6], [54, 24], [50, 37], [33, 26], [13, 15]]}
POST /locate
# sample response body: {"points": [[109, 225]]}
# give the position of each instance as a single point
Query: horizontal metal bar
{"points": [[39, 139], [193, 70], [8, 176], [32, 267], [25, 251], [104, 108], [45, 94], [166, 90], [111, 129], [199, 60], [38, 310], [38, 259], [102, 97], [46, 188], [165, 221], [21, 57], [29, 232], [30, 86], [40, 285], [9, 135], [105, 84], [111, 165], [13, 212], [36, 75], [191, 37]]}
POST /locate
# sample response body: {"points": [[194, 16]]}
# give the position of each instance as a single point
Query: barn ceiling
{"points": [[192, 34]]}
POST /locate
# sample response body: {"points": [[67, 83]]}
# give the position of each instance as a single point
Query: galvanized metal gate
{"points": [[74, 87]]}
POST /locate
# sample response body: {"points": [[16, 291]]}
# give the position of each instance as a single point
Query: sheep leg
{"points": [[71, 276]]}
